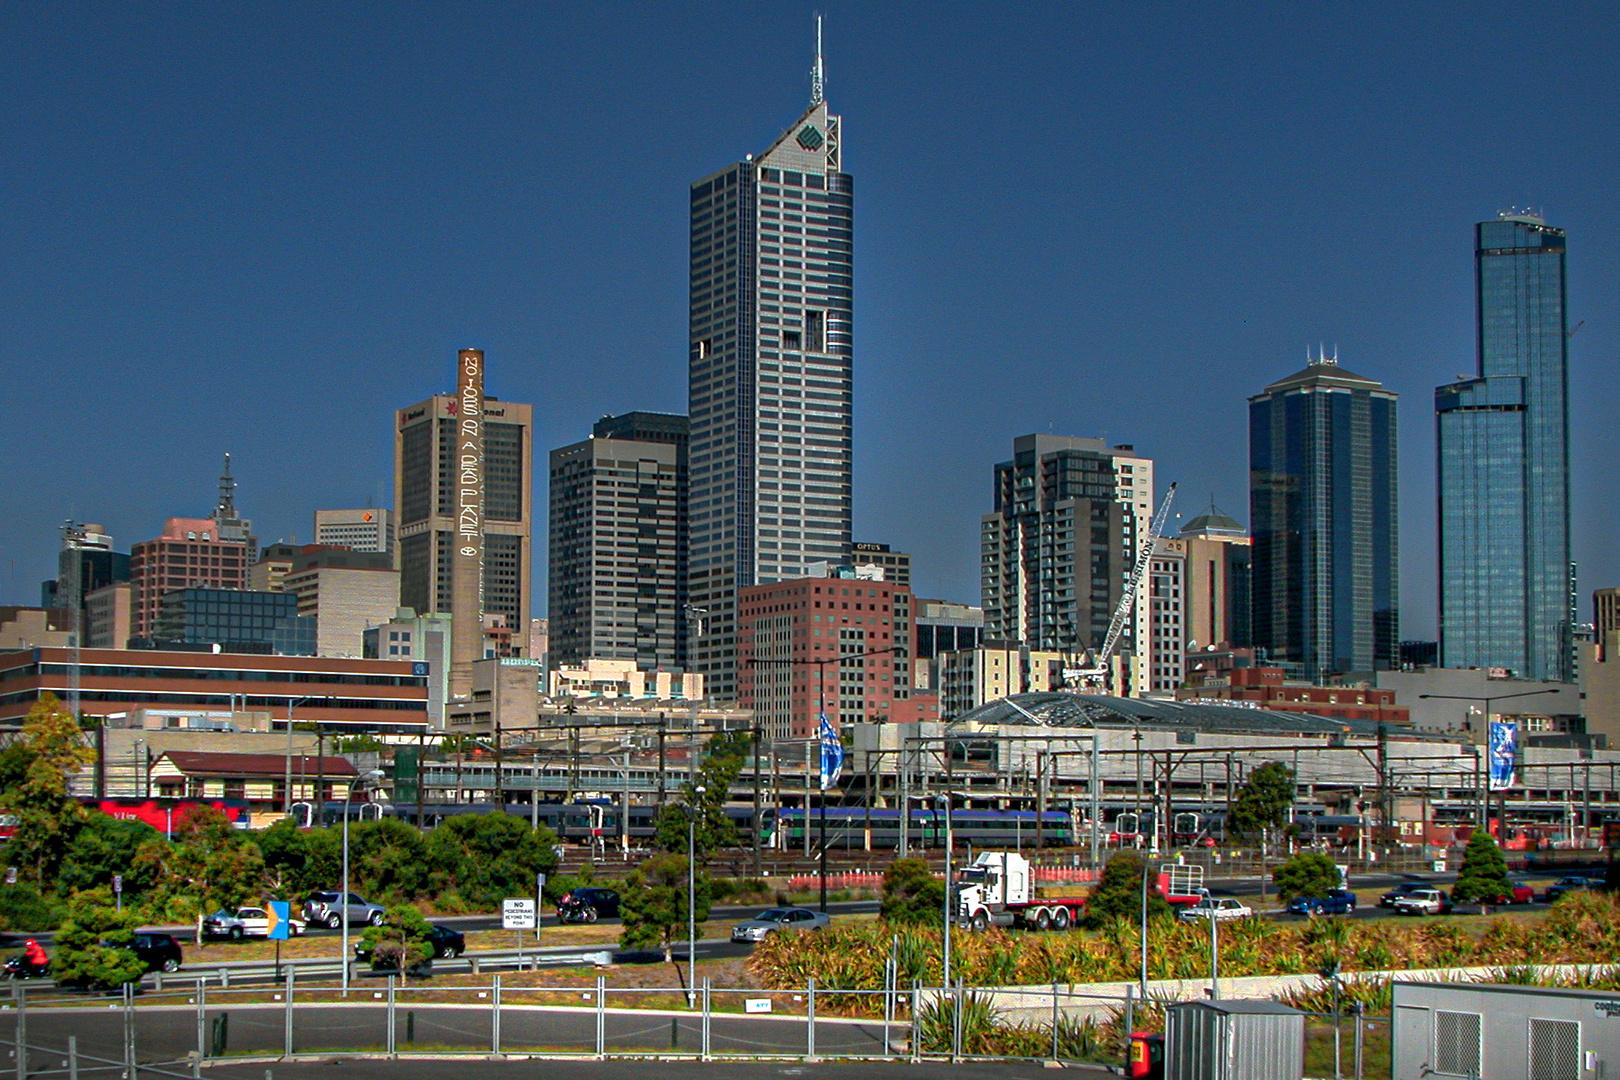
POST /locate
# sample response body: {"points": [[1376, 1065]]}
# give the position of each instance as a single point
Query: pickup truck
{"points": [[1423, 902]]}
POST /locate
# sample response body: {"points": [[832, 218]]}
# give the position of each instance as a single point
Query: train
{"points": [[160, 814]]}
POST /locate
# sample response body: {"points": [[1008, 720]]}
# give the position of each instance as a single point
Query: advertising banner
{"points": [[1504, 754]]}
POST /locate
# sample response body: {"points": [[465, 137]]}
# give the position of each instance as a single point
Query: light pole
{"points": [[1485, 741], [343, 901], [139, 761], [691, 897], [287, 801], [945, 800]]}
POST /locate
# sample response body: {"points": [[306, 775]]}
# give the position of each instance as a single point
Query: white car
{"points": [[244, 923], [1220, 908]]}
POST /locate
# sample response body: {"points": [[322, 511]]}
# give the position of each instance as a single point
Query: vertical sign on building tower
{"points": [[467, 542]]}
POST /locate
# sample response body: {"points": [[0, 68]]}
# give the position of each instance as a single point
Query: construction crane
{"points": [[1096, 675]]}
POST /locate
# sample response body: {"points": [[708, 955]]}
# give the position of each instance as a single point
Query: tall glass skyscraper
{"points": [[1506, 581], [770, 387], [1322, 493]]}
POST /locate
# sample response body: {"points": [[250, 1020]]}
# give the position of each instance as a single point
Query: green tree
{"points": [[1307, 874], [1483, 874], [47, 818], [724, 759], [210, 864], [95, 948], [486, 857], [1263, 802], [1118, 893], [388, 860], [652, 904], [105, 846], [912, 895], [400, 943]]}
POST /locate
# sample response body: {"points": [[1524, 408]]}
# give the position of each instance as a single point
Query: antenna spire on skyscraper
{"points": [[817, 75], [226, 510]]}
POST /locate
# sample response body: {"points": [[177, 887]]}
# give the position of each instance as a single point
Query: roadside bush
{"points": [[912, 896], [94, 948], [23, 909], [400, 943]]}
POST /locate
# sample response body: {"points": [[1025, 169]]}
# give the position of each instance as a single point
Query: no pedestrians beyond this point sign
{"points": [[518, 913], [280, 913]]}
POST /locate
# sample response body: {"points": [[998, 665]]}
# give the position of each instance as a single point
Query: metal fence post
{"points": [[809, 1018], [601, 1017], [390, 1042], [956, 1023], [916, 1021], [129, 1030], [1130, 1020], [888, 1003], [73, 1057], [202, 1027], [1360, 1036], [703, 1054], [287, 1017], [495, 1015], [1054, 1021], [22, 1029]]}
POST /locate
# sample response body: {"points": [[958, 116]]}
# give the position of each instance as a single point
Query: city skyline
{"points": [[979, 320]]}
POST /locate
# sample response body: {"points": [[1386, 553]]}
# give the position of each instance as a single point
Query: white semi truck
{"points": [[996, 890]]}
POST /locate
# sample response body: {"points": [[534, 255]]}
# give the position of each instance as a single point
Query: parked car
{"points": [[1516, 894], [776, 920], [604, 901], [1337, 902], [445, 943], [1424, 902], [1220, 908], [245, 923], [327, 909], [1405, 888], [1571, 883], [159, 952]]}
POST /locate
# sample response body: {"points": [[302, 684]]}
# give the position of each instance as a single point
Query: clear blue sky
{"points": [[262, 227]]}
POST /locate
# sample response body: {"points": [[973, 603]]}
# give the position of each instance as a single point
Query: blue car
{"points": [[1337, 902]]}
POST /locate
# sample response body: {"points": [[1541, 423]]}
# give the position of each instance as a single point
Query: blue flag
{"points": [[832, 755]]}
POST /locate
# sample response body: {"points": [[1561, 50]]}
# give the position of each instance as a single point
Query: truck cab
{"points": [[997, 889]]}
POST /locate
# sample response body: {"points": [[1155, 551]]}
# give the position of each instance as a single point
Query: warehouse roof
{"points": [[1102, 710]]}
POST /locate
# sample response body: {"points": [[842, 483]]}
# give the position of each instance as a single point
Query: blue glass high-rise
{"points": [[1506, 591], [1322, 496]]}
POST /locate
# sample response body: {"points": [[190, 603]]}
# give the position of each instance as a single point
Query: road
{"points": [[166, 1034]]}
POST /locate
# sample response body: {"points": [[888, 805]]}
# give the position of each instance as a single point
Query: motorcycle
{"points": [[570, 910], [18, 967]]}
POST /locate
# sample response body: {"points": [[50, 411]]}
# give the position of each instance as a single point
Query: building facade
{"points": [[1507, 596], [942, 627], [618, 543], [1056, 554], [896, 565], [771, 369], [1167, 611], [425, 499], [234, 621], [1218, 581], [1322, 499], [385, 697], [190, 553], [346, 593], [968, 678], [370, 529], [838, 646]]}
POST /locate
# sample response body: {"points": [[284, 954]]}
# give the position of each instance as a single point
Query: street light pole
{"points": [[343, 901], [691, 900], [945, 800]]}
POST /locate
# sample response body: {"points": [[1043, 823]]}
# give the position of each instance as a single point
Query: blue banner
{"points": [[1504, 754], [832, 755]]}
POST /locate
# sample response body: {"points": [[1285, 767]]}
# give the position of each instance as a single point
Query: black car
{"points": [[159, 952], [605, 902], [444, 943]]}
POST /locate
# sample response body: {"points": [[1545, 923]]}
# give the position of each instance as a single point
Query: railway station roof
{"points": [[1105, 711]]}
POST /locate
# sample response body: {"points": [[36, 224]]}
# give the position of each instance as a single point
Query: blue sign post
{"points": [[280, 919]]}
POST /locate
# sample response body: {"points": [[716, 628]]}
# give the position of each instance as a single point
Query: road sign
{"points": [[11, 875], [518, 913], [118, 883], [280, 912], [539, 883]]}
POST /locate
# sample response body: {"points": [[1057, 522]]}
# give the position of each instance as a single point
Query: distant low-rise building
{"points": [[260, 780], [28, 627], [1267, 688], [109, 615], [969, 678], [600, 678], [1456, 701]]}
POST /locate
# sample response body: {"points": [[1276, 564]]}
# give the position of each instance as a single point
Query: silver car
{"points": [[323, 909], [776, 920]]}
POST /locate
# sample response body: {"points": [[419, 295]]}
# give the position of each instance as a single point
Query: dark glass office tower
{"points": [[1506, 582], [770, 376], [1322, 489]]}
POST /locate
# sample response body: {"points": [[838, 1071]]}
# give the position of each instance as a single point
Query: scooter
{"points": [[570, 910], [18, 967]]}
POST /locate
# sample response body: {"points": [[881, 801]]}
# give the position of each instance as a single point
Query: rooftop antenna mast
{"points": [[817, 76], [226, 510]]}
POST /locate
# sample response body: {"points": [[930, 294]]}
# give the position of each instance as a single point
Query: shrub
{"points": [[912, 896], [21, 908], [1309, 874], [400, 943], [94, 948]]}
